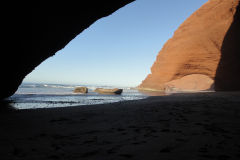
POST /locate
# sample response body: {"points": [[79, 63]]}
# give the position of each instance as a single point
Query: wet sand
{"points": [[191, 126]]}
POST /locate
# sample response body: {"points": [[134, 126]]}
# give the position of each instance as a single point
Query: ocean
{"points": [[36, 95]]}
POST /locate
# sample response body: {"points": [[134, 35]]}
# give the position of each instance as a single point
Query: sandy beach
{"points": [[189, 126]]}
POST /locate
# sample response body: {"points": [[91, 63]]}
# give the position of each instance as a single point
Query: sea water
{"points": [[35, 95]]}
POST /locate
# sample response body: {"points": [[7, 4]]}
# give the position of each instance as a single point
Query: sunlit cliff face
{"points": [[202, 53]]}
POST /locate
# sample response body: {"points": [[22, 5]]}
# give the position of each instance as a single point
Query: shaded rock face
{"points": [[228, 72], [207, 45], [37, 32]]}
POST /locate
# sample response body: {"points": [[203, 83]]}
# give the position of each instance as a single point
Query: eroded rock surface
{"points": [[193, 82], [196, 48]]}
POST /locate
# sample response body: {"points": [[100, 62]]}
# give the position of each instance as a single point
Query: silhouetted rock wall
{"points": [[37, 31]]}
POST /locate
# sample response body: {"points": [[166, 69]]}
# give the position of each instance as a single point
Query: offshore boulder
{"points": [[108, 91], [81, 90]]}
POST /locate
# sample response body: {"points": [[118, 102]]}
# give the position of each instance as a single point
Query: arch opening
{"points": [[124, 48]]}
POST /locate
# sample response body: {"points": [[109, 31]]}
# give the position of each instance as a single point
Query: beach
{"points": [[188, 126]]}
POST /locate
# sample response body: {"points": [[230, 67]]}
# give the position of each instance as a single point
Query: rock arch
{"points": [[38, 31], [207, 43]]}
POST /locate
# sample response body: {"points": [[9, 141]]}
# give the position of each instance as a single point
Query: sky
{"points": [[119, 49]]}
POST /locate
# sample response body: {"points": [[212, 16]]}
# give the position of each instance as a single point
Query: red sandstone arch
{"points": [[39, 31]]}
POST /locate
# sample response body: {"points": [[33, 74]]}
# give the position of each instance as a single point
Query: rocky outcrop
{"points": [[193, 82], [37, 31], [192, 56], [108, 91], [81, 90]]}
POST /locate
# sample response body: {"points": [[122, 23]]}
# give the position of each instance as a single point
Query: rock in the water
{"points": [[108, 91], [81, 90], [196, 48]]}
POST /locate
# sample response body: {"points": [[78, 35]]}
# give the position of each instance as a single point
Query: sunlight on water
{"points": [[30, 96]]}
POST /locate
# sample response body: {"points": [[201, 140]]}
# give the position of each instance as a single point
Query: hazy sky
{"points": [[119, 49]]}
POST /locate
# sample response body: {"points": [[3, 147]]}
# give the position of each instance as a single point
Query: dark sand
{"points": [[181, 126]]}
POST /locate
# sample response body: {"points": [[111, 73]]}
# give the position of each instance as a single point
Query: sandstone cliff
{"points": [[189, 60]]}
